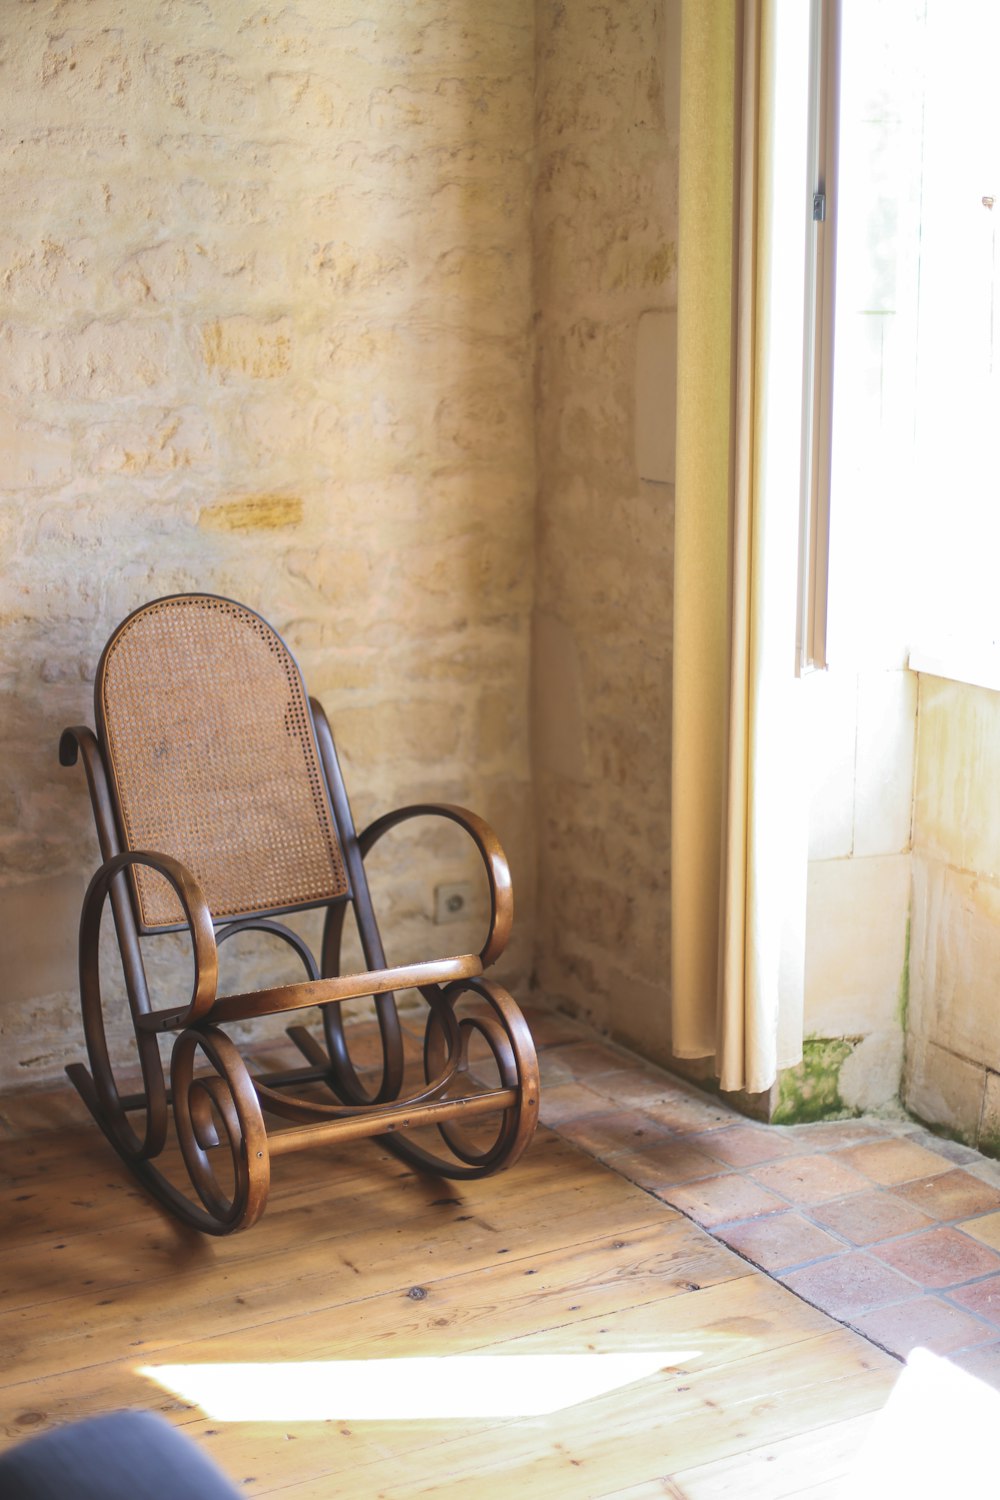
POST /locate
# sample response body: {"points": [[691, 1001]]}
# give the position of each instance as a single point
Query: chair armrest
{"points": [[196, 914], [493, 857], [437, 972]]}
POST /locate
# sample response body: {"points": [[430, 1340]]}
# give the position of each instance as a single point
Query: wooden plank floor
{"points": [[578, 1337]]}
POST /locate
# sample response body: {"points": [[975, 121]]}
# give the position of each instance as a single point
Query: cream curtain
{"points": [[738, 853]]}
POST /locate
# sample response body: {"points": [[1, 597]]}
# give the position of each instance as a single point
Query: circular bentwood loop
{"points": [[496, 1021], [213, 1111], [199, 923]]}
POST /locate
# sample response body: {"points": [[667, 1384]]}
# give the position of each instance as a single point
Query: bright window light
{"points": [[419, 1389], [935, 1436], [915, 484]]}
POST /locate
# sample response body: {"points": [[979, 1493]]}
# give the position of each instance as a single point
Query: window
{"points": [[915, 499]]}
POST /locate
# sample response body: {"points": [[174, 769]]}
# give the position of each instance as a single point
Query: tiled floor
{"points": [[878, 1222]]}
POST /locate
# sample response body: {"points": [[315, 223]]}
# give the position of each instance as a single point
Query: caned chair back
{"points": [[213, 759]]}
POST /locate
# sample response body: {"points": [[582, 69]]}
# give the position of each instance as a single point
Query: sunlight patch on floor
{"points": [[936, 1435], [419, 1389]]}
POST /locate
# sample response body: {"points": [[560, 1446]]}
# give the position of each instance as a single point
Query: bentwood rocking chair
{"points": [[220, 806]]}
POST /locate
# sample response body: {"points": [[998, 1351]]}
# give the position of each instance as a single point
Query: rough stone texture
{"points": [[953, 1041], [869, 1077], [862, 733], [605, 248], [856, 945], [989, 1121], [943, 1089], [265, 328]]}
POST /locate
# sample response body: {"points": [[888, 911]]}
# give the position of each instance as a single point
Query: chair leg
{"points": [[99, 1090], [105, 1099]]}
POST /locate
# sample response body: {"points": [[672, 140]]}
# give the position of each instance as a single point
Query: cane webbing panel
{"points": [[214, 761]]}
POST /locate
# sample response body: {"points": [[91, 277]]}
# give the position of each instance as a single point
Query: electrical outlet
{"points": [[452, 902]]}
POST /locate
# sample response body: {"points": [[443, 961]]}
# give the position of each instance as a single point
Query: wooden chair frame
{"points": [[218, 1107]]}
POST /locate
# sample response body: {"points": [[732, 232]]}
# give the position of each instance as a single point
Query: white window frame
{"points": [[818, 322]]}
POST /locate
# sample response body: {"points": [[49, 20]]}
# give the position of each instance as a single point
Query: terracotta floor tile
{"points": [[955, 1195], [561, 1102], [962, 1155], [850, 1284], [683, 1111], [982, 1298], [720, 1200], [865, 1218], [893, 1161], [809, 1179], [927, 1322], [634, 1087], [831, 1135], [986, 1229], [778, 1241], [552, 1067], [938, 1258], [582, 1060], [748, 1145], [550, 1029], [952, 1151], [608, 1135], [659, 1167]]}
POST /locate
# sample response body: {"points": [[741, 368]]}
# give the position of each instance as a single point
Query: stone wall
{"points": [[861, 735], [605, 247], [265, 330], [952, 1076]]}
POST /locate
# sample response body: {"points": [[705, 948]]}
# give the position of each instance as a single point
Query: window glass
{"points": [[915, 510]]}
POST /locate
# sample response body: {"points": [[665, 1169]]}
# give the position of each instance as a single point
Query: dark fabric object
{"points": [[124, 1456]]}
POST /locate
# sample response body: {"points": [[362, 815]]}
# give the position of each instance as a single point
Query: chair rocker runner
{"points": [[220, 806]]}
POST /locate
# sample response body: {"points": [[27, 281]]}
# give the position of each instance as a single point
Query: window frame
{"points": [[818, 324]]}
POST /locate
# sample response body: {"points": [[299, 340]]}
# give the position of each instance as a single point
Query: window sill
{"points": [[976, 668]]}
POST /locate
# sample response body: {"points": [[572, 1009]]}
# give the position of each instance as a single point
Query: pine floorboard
{"points": [[735, 1386]]}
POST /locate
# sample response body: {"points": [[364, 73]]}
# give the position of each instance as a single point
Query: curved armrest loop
{"points": [[494, 859], [196, 913]]}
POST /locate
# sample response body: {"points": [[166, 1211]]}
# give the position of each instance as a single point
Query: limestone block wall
{"points": [[861, 744], [605, 247], [952, 1076], [265, 330]]}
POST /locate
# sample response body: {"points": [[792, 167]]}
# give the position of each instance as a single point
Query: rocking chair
{"points": [[220, 806]]}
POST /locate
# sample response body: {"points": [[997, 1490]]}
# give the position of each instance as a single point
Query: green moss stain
{"points": [[903, 1003], [946, 1132], [811, 1090], [988, 1143]]}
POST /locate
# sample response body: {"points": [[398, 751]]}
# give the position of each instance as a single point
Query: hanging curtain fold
{"points": [[738, 852]]}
